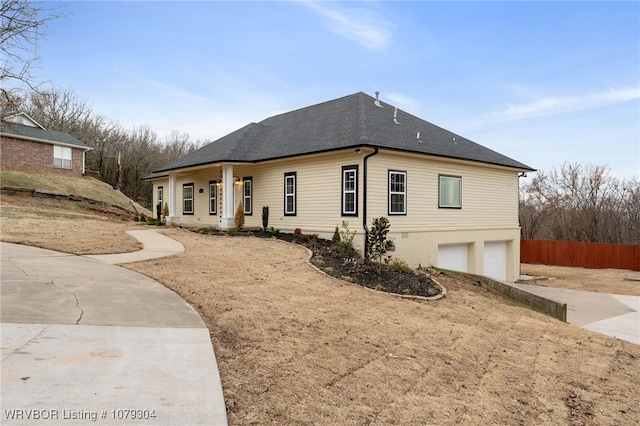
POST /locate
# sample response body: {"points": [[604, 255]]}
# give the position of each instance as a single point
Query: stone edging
{"points": [[442, 293]]}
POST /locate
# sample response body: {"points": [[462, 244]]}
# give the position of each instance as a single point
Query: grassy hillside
{"points": [[81, 186]]}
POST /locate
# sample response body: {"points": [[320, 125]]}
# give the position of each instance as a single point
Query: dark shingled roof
{"points": [[348, 122], [52, 136]]}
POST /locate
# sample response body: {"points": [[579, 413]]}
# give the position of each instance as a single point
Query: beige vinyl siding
{"points": [[489, 209], [164, 183], [200, 179], [489, 195], [318, 192]]}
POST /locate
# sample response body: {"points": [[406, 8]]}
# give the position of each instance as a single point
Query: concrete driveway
{"points": [[611, 314], [86, 341]]}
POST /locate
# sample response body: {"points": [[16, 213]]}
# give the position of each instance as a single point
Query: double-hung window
{"points": [[290, 194], [62, 157], [247, 195], [397, 192], [187, 198], [350, 190], [450, 192], [212, 197]]}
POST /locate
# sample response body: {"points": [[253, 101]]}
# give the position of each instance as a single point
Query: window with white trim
{"points": [[397, 192], [62, 156], [290, 194], [212, 197], [247, 195], [350, 190], [187, 198], [450, 192]]}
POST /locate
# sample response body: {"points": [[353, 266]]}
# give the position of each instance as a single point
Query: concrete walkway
{"points": [[85, 341], [611, 314]]}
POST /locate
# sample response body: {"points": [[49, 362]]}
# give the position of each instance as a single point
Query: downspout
{"points": [[364, 199]]}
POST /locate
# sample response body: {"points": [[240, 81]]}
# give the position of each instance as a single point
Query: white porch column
{"points": [[228, 209], [172, 198]]}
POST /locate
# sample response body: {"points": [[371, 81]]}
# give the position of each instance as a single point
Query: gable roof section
{"points": [[348, 122], [20, 118], [38, 134]]}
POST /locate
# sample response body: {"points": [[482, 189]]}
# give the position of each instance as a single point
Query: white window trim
{"points": [[447, 206], [60, 157], [403, 193]]}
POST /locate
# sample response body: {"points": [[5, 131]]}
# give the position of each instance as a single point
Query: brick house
{"points": [[27, 146]]}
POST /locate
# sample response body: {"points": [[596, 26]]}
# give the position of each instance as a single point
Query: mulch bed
{"points": [[374, 275]]}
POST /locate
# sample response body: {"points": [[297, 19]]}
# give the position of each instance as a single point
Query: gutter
{"points": [[364, 198]]}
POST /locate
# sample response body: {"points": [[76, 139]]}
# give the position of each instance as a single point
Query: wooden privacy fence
{"points": [[586, 255]]}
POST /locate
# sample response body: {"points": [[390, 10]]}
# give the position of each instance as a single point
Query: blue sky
{"points": [[541, 82]]}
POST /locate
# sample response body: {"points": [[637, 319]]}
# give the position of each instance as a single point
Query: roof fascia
{"points": [[24, 114], [155, 177], [459, 160], [351, 147], [203, 166], [27, 138], [404, 151]]}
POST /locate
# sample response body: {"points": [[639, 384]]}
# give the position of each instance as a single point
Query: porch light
{"points": [[238, 180]]}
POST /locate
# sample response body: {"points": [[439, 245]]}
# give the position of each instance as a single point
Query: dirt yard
{"points": [[297, 347], [618, 281]]}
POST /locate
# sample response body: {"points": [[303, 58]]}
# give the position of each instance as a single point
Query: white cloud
{"points": [[360, 25], [556, 105]]}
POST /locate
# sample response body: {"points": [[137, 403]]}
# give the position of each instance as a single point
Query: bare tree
{"points": [[580, 203], [123, 157], [22, 28], [58, 109]]}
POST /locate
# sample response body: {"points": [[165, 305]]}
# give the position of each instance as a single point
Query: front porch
{"points": [[206, 196]]}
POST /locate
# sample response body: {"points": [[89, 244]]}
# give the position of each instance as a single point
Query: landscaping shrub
{"points": [[265, 217], [400, 266], [336, 236], [345, 244], [377, 242], [165, 212], [310, 237], [238, 219], [274, 232]]}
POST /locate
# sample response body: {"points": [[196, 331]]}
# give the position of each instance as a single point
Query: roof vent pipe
{"points": [[395, 116], [377, 101]]}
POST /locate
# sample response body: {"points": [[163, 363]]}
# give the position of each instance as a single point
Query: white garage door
{"points": [[453, 257], [495, 260]]}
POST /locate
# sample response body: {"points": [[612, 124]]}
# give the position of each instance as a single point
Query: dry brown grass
{"points": [[63, 226], [297, 347], [618, 281]]}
